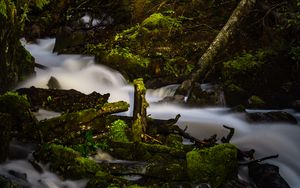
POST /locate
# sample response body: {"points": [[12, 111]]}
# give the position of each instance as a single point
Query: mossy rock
{"points": [[158, 20], [256, 102], [235, 95], [19, 108], [212, 165]]}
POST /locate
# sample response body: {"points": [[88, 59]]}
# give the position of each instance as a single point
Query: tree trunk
{"points": [[217, 46]]}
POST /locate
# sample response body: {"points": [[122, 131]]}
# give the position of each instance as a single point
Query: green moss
{"points": [[13, 103], [212, 165], [135, 186], [19, 108], [158, 20], [137, 129], [169, 171], [174, 141], [235, 95], [120, 54], [117, 131], [68, 162], [256, 102]]}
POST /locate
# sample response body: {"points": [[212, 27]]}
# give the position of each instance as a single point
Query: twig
{"points": [[259, 160], [229, 136]]}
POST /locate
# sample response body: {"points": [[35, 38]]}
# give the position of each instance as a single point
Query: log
{"points": [[139, 125], [207, 60], [75, 122], [62, 100]]}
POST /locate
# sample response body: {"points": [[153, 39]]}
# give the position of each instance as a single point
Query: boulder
{"points": [[275, 117], [266, 175]]}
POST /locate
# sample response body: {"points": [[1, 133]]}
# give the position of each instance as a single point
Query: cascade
{"points": [[82, 74]]}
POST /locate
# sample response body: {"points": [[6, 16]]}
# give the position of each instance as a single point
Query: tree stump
{"points": [[139, 125]]}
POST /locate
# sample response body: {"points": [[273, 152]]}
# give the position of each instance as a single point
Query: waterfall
{"points": [[81, 73]]}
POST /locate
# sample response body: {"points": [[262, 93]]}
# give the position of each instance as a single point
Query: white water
{"points": [[82, 74]]}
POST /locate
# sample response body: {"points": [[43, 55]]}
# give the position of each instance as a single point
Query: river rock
{"points": [[296, 105], [206, 95], [266, 175], [275, 117]]}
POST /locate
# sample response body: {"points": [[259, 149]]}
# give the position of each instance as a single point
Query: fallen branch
{"points": [[229, 136], [259, 160]]}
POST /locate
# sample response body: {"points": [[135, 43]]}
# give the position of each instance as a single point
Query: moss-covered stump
{"points": [[19, 108], [76, 122], [5, 128], [63, 100], [212, 165]]}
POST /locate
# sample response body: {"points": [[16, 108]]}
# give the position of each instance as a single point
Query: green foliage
{"points": [[41, 3], [295, 53], [3, 10], [244, 70], [89, 145], [117, 131]]}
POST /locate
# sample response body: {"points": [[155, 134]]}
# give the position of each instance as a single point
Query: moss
{"points": [[158, 20], [117, 131], [169, 171], [19, 108], [68, 162], [124, 54], [135, 186], [137, 129], [174, 141], [13, 103], [256, 102], [212, 165], [235, 95]]}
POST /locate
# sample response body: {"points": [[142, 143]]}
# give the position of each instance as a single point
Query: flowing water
{"points": [[80, 73]]}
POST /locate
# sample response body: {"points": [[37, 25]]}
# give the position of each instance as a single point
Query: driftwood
{"points": [[62, 100], [168, 127], [226, 34]]}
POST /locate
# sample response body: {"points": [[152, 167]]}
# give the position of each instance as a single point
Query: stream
{"points": [[82, 74]]}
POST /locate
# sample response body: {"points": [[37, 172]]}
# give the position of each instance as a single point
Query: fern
{"points": [[3, 11], [41, 3]]}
